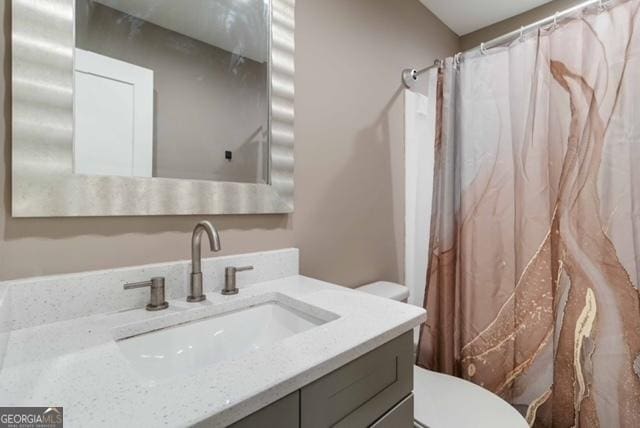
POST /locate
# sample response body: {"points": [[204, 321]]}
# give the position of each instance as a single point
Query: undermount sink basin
{"points": [[192, 346]]}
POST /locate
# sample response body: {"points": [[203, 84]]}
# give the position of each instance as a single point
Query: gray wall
{"points": [[485, 34], [349, 160], [349, 220]]}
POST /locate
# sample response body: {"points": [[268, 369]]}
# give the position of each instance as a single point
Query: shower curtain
{"points": [[535, 251]]}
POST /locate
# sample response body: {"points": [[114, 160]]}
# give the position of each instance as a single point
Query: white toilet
{"points": [[443, 401]]}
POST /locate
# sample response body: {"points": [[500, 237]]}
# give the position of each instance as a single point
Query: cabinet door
{"points": [[284, 413], [362, 391], [401, 416]]}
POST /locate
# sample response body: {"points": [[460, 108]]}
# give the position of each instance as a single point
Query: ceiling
{"points": [[237, 26], [467, 16]]}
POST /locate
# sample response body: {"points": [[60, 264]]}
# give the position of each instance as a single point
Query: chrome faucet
{"points": [[196, 294]]}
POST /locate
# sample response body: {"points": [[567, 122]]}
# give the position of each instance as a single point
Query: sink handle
{"points": [[133, 285], [156, 284], [230, 279]]}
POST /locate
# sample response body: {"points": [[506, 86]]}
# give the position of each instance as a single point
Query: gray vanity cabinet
{"points": [[362, 391], [284, 413], [371, 391], [400, 416]]}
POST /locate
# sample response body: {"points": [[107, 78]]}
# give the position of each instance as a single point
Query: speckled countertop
{"points": [[77, 363]]}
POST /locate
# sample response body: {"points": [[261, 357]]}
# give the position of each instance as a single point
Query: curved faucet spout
{"points": [[196, 238], [196, 257]]}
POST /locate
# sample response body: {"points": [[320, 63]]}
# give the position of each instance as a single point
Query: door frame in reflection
{"points": [[113, 117]]}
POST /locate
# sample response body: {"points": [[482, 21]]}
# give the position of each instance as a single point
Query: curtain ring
{"points": [[456, 60], [602, 5], [483, 50], [521, 34], [555, 20]]}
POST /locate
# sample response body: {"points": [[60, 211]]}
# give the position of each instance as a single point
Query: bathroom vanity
{"points": [[286, 351], [374, 390]]}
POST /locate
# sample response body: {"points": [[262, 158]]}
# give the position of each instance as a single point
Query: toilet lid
{"points": [[442, 401], [390, 290]]}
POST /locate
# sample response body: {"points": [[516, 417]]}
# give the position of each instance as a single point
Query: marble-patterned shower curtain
{"points": [[533, 277]]}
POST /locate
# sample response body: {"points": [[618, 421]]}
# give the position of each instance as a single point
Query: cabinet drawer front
{"points": [[361, 392], [283, 413], [400, 417]]}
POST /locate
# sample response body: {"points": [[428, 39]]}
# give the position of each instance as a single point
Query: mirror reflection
{"points": [[172, 89]]}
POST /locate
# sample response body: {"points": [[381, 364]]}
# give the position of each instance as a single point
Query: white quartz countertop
{"points": [[78, 365]]}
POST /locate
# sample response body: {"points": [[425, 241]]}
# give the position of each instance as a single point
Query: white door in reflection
{"points": [[113, 117]]}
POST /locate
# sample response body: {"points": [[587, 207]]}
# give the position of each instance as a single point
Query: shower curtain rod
{"points": [[410, 76]]}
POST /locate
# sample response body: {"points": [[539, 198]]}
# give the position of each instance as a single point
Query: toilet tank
{"points": [[390, 290]]}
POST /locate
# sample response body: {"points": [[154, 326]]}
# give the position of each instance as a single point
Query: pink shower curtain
{"points": [[535, 253]]}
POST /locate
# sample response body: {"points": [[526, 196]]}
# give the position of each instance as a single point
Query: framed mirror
{"points": [[152, 107]]}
